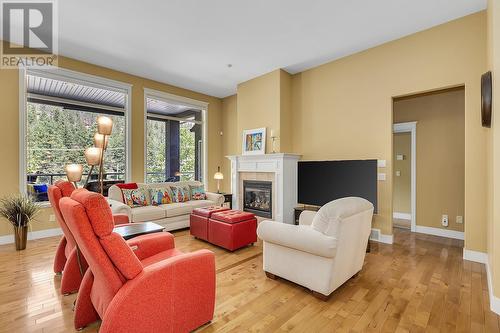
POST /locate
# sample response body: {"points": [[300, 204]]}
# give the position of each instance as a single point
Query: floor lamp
{"points": [[104, 129], [93, 158], [74, 173]]}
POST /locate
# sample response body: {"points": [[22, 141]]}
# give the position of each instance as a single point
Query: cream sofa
{"points": [[171, 216], [325, 250]]}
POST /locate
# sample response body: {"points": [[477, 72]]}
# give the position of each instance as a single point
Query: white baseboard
{"points": [[482, 258], [440, 232], [401, 216], [377, 236], [476, 256], [8, 239]]}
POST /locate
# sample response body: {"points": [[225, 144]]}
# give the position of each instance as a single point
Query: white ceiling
{"points": [[188, 43]]}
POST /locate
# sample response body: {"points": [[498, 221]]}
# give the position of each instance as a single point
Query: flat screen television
{"points": [[320, 182]]}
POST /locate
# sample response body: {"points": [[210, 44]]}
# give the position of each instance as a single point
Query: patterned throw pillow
{"points": [[135, 197], [160, 196], [180, 193], [198, 192]]}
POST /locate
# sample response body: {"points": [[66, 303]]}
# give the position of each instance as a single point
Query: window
{"points": [[174, 141], [60, 123]]}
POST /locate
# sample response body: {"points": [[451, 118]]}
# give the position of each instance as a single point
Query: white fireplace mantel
{"points": [[284, 168]]}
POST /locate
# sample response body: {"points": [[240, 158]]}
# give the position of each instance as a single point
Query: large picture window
{"points": [[60, 122], [174, 141]]}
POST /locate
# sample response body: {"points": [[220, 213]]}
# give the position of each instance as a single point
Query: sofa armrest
{"points": [[172, 295], [302, 238], [215, 197], [148, 245], [306, 217], [118, 207]]}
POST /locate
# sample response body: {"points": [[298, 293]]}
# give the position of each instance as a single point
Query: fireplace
{"points": [[258, 197]]}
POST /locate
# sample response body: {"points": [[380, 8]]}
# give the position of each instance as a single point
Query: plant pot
{"points": [[20, 236]]}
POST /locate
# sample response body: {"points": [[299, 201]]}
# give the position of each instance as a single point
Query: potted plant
{"points": [[20, 211]]}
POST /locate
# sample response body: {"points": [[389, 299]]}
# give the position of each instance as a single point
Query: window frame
{"points": [[196, 104], [77, 78]]}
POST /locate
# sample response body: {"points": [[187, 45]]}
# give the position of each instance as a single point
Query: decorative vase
{"points": [[20, 236]]}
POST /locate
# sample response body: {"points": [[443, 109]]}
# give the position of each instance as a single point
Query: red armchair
{"points": [[67, 258], [144, 285]]}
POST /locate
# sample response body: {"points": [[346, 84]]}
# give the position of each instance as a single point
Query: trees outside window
{"points": [[57, 136]]}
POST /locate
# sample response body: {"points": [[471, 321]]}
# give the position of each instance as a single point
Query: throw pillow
{"points": [[180, 193], [135, 197], [198, 192], [160, 196]]}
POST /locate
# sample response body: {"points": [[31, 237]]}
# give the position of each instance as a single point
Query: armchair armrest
{"points": [[302, 238], [120, 219], [306, 217], [172, 295], [215, 197], [148, 245], [118, 207]]}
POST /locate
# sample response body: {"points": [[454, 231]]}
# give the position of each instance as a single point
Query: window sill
{"points": [[44, 204]]}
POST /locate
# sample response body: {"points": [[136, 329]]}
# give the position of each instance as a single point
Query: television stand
{"points": [[299, 209]]}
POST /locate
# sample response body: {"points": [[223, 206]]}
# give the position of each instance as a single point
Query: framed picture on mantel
{"points": [[254, 141]]}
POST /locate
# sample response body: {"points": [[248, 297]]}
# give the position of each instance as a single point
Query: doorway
{"points": [[404, 175], [429, 162]]}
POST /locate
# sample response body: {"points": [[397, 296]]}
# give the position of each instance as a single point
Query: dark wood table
{"points": [[131, 230], [228, 197]]}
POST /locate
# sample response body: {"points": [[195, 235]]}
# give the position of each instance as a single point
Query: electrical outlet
{"points": [[52, 218], [444, 220], [460, 219]]}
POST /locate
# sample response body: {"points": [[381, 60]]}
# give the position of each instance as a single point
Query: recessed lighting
{"points": [[229, 65]]}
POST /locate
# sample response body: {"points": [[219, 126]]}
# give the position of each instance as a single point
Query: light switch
{"points": [[381, 176], [398, 173], [400, 157], [381, 163]]}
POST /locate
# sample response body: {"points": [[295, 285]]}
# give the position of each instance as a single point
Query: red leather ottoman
{"points": [[198, 221], [232, 229]]}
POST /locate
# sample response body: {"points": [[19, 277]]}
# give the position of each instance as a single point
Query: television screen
{"points": [[320, 182]]}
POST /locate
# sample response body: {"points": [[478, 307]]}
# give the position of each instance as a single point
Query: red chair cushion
{"points": [[97, 209], [232, 216], [208, 211]]}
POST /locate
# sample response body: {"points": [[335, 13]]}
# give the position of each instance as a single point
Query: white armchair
{"points": [[325, 250]]}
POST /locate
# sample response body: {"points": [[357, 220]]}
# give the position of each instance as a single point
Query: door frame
{"points": [[411, 127]]}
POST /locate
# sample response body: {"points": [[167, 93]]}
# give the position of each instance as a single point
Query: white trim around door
{"points": [[411, 127]]}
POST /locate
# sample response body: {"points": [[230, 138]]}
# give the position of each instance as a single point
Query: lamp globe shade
{"points": [[93, 155], [218, 175], [104, 125], [74, 172], [100, 139]]}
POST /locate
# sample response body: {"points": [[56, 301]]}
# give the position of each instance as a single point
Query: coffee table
{"points": [[131, 230]]}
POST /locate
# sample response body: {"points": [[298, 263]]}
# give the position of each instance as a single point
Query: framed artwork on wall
{"points": [[254, 141]]}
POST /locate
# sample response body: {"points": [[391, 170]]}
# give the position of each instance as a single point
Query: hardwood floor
{"points": [[418, 284]]}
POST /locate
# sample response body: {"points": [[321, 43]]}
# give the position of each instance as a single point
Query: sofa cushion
{"points": [[135, 197], [200, 203], [181, 193], [159, 196], [198, 192], [176, 209], [147, 213]]}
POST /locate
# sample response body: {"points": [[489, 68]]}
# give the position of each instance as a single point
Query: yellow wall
{"points": [[440, 155], [258, 105], [9, 107], [229, 142], [493, 47], [343, 109], [401, 196], [265, 101]]}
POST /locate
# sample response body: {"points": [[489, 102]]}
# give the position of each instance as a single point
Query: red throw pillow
{"points": [[126, 186]]}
